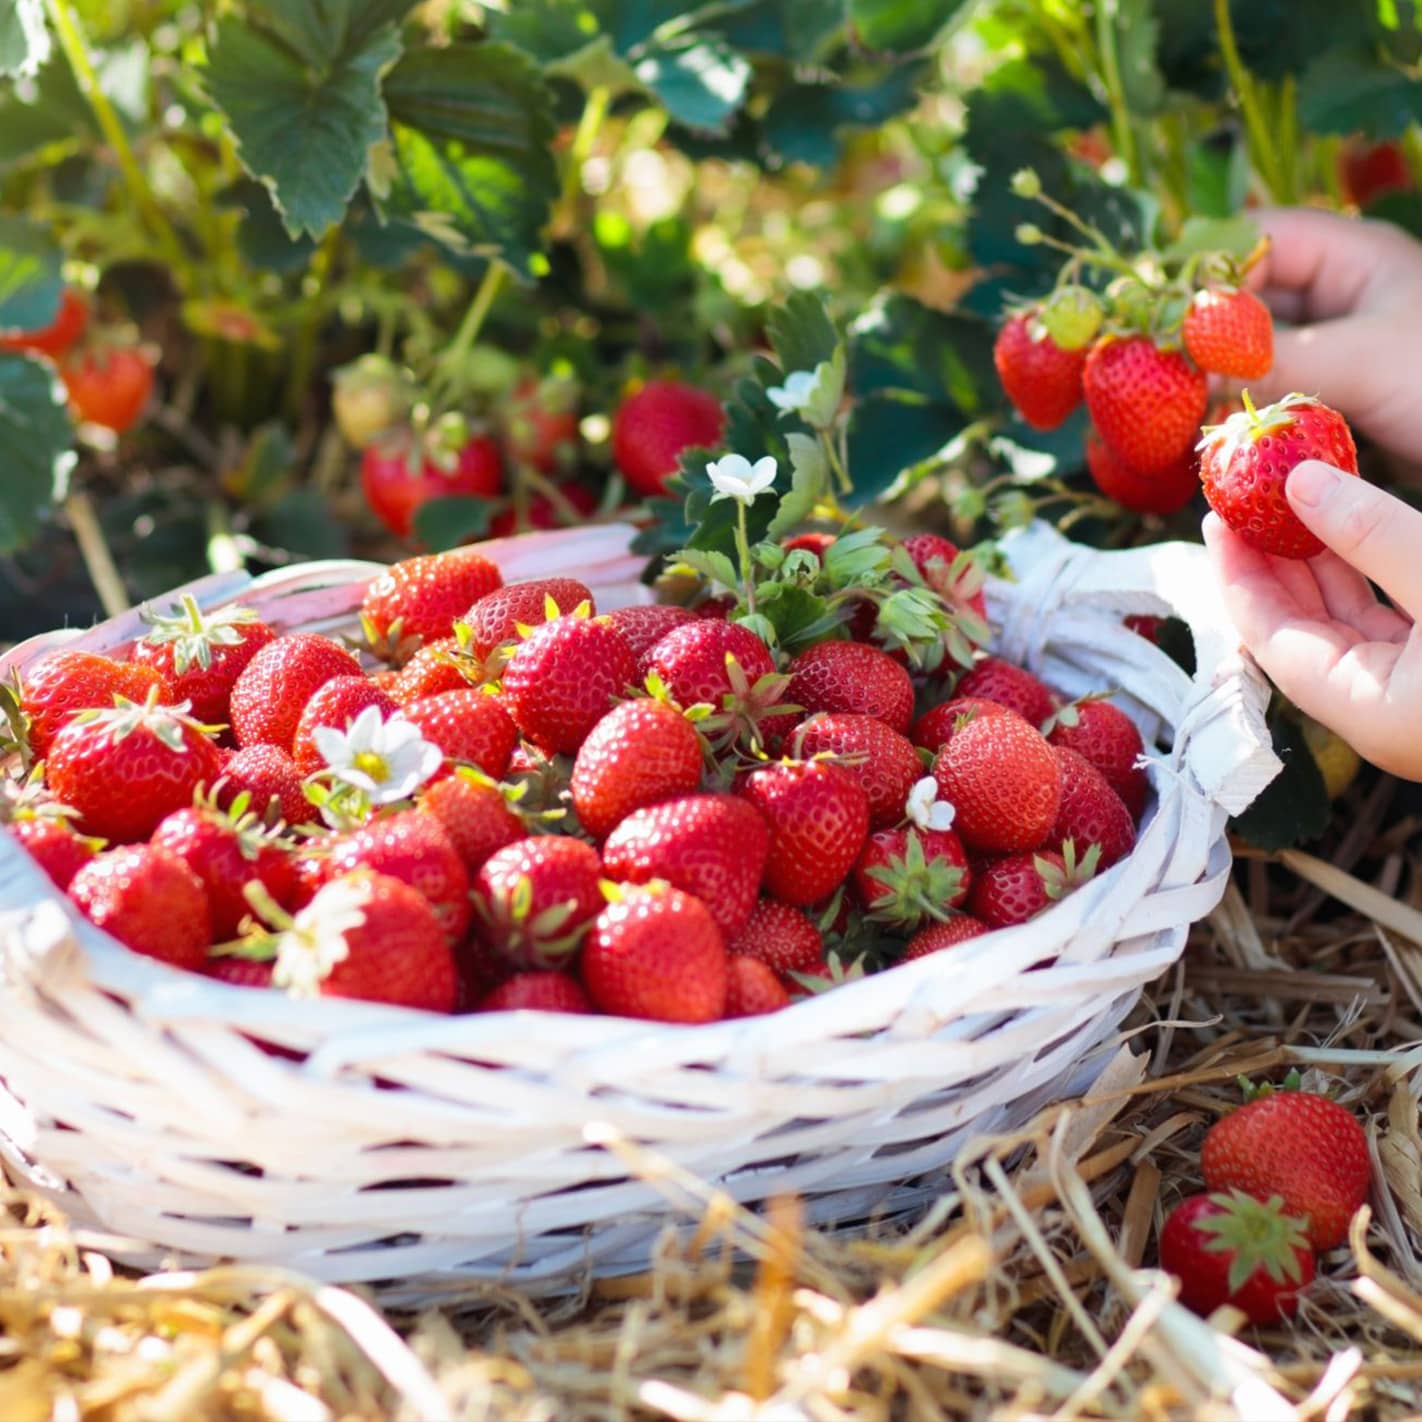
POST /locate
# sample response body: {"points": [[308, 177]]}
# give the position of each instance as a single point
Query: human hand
{"points": [[1317, 627], [1352, 291]]}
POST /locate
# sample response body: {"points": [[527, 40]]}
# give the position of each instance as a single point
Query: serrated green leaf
{"points": [[548, 30], [801, 332], [700, 82], [1236, 235], [1343, 91], [803, 120], [38, 438], [799, 616], [809, 478], [711, 564], [24, 39], [30, 281], [900, 25], [889, 434], [452, 520]]}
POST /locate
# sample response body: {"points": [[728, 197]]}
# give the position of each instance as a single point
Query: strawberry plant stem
{"points": [[1121, 131], [743, 553], [455, 357], [594, 111], [94, 549], [1264, 155]]}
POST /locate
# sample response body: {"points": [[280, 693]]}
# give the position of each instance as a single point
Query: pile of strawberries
{"points": [[504, 798]]}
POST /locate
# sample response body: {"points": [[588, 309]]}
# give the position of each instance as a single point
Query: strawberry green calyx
{"points": [[165, 723], [1058, 882], [1257, 1091], [193, 633], [918, 887], [1258, 1234], [1250, 425]]}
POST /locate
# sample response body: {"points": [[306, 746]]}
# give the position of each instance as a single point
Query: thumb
{"points": [[1369, 529]]}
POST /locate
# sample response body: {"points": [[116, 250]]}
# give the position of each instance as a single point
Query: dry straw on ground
{"points": [[1026, 1292]]}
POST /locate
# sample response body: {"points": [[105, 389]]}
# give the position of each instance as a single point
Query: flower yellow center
{"points": [[372, 764]]}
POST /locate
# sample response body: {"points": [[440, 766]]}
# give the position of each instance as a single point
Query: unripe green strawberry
{"points": [[368, 397], [1072, 316]]}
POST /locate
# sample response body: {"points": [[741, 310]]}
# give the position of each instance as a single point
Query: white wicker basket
{"points": [[423, 1152]]}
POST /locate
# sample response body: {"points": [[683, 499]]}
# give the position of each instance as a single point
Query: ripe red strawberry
{"points": [[1163, 492], [643, 625], [1092, 813], [752, 990], [641, 752], [909, 874], [1143, 624], [655, 952], [274, 687], [812, 541], [1041, 379], [421, 597], [713, 846], [654, 426], [271, 780], [438, 666], [878, 757], [227, 854], [563, 678], [66, 682], [149, 900], [691, 660], [1368, 170], [781, 937], [399, 474], [238, 971], [55, 339], [853, 677], [993, 679], [1104, 735], [200, 655], [937, 726], [941, 564], [818, 817], [474, 814], [536, 897], [1229, 331], [413, 848], [335, 705], [542, 512], [125, 768], [1236, 1250], [1017, 887], [470, 726], [1002, 778], [1306, 1149], [479, 970], [367, 936], [494, 619], [1146, 402], [537, 992], [51, 842], [1246, 462], [935, 937]]}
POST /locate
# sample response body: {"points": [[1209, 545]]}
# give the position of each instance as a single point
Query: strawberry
{"points": [[438, 666], [813, 541], [752, 990], [200, 655], [713, 846], [52, 843], [542, 512], [536, 897], [641, 752], [421, 597], [1091, 813], [654, 426], [1041, 379], [1147, 403], [1246, 462], [691, 660], [335, 704], [226, 851], [1229, 331], [1002, 778], [1309, 1151], [781, 937], [470, 726], [644, 625], [367, 936], [1015, 887], [953, 575], [66, 682], [853, 677], [1231, 1249], [474, 814], [238, 971], [495, 618], [1144, 624], [400, 473], [537, 992], [907, 875], [993, 679], [1368, 170], [479, 970], [938, 725], [935, 937], [1163, 492], [562, 679], [878, 757], [270, 778], [149, 900], [413, 848], [1104, 735], [125, 768], [274, 687], [541, 423], [818, 816], [55, 339], [656, 953]]}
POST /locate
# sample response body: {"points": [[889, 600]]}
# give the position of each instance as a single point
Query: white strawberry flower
{"points": [[814, 394], [733, 476], [310, 948], [926, 810], [386, 759], [797, 392]]}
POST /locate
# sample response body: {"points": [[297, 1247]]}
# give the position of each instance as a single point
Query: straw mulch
{"points": [[1026, 1292]]}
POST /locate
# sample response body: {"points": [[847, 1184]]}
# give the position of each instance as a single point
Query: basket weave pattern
{"points": [[386, 1145]]}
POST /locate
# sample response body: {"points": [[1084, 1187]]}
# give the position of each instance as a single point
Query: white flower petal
{"points": [[334, 748], [925, 809], [316, 940]]}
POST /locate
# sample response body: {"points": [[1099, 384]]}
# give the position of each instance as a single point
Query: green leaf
{"points": [[809, 478], [799, 30], [548, 30], [39, 443], [1236, 235], [1216, 175], [801, 332], [24, 40], [1136, 38], [901, 344], [1343, 91], [262, 236], [299, 82], [803, 119], [798, 616], [450, 521], [30, 282], [700, 82], [900, 25], [302, 522], [1294, 807], [472, 128], [711, 564], [889, 434]]}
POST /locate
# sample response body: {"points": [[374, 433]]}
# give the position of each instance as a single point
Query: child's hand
{"points": [[1318, 629]]}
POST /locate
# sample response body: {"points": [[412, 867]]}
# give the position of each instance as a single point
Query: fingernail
{"points": [[1311, 483]]}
